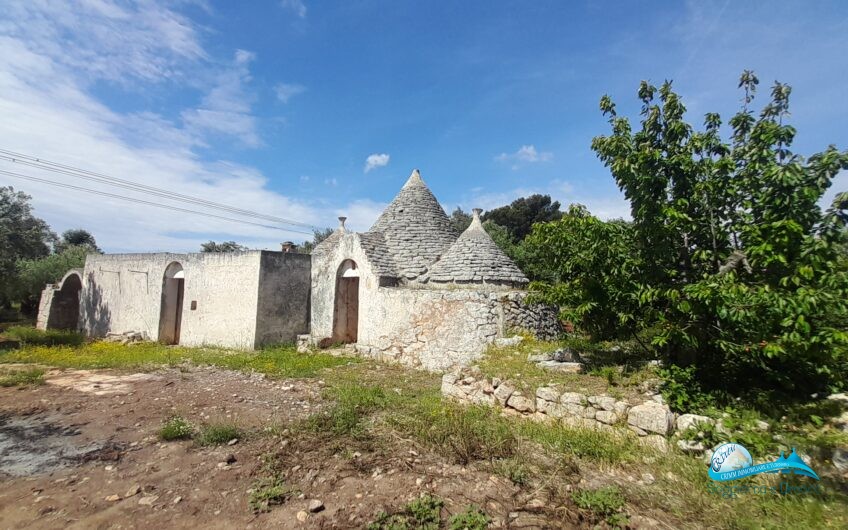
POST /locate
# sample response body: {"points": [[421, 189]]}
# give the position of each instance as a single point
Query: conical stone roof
{"points": [[416, 230], [476, 258]]}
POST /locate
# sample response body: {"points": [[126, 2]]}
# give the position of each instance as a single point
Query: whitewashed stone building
{"points": [[410, 290], [232, 299]]}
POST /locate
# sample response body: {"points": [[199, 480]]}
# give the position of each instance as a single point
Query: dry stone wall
{"points": [[648, 418], [540, 320]]}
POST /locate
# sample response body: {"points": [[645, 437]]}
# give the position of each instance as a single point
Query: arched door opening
{"points": [[64, 309], [171, 313], [346, 307]]}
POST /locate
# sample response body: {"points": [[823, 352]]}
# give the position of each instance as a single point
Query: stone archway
{"points": [[60, 303], [171, 312], [346, 306]]}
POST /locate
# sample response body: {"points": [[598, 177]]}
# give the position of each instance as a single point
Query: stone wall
{"points": [[123, 293], [647, 417], [59, 305], [540, 320]]}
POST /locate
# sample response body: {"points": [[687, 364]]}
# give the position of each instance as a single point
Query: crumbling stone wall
{"points": [[59, 306], [648, 417], [539, 319]]}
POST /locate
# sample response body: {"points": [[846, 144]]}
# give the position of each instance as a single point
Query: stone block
{"points": [[521, 403], [602, 402], [572, 397], [548, 394], [652, 417], [503, 392], [606, 416], [688, 421]]}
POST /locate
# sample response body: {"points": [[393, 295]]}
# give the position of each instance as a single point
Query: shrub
{"points": [[176, 428]]}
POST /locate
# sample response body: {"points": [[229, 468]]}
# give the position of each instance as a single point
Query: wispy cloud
{"points": [[297, 6], [50, 58], [286, 91], [376, 160], [226, 109], [526, 154]]}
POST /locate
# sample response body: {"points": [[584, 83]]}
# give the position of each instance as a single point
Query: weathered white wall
{"points": [[430, 329], [325, 263], [122, 292]]}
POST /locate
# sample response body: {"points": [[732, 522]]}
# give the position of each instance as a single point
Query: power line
{"points": [[142, 201], [55, 167]]}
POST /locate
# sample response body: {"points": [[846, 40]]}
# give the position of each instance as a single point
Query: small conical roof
{"points": [[415, 228], [476, 258]]}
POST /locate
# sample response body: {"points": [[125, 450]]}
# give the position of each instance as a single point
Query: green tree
{"points": [[224, 246], [734, 265], [596, 269], [520, 215], [22, 236], [77, 237], [460, 220], [32, 275], [317, 237]]}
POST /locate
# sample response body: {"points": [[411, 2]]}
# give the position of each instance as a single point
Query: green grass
{"points": [[510, 363], [279, 361], [473, 518], [423, 513], [605, 502], [27, 377], [218, 434], [267, 492], [176, 428], [51, 337]]}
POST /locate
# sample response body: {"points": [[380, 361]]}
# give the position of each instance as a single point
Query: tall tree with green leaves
{"points": [[735, 267], [22, 236], [520, 215]]}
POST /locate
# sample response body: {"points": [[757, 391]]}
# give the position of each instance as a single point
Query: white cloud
{"points": [[297, 6], [48, 109], [376, 160], [226, 108], [286, 91], [526, 154]]}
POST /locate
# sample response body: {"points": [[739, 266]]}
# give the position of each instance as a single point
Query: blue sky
{"points": [[308, 110]]}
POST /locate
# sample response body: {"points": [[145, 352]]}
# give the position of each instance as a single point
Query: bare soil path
{"points": [[88, 436]]}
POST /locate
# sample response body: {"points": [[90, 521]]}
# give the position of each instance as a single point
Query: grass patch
{"points": [[424, 513], [51, 337], [268, 492], [218, 434], [28, 377], [353, 404], [605, 503], [278, 361], [510, 363], [473, 518], [176, 428]]}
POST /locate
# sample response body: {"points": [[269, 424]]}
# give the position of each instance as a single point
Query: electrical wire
{"points": [[55, 167], [142, 201]]}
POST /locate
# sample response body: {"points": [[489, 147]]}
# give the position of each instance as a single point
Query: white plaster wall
{"points": [[122, 292], [325, 264]]}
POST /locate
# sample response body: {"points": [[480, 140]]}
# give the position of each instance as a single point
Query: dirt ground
{"points": [[88, 436]]}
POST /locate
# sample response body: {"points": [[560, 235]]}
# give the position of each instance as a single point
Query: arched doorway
{"points": [[346, 308], [65, 306], [170, 316]]}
